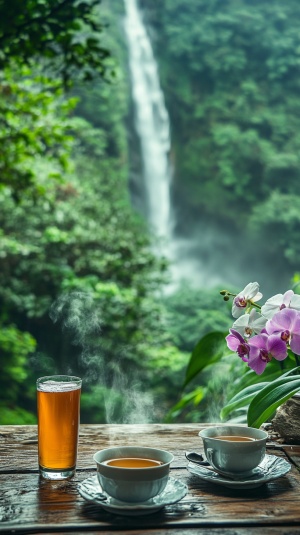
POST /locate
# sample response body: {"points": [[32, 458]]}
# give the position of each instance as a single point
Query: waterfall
{"points": [[153, 129], [151, 121], [209, 255]]}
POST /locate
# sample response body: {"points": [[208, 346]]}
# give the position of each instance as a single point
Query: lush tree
{"points": [[65, 35], [76, 270], [15, 390], [192, 313], [231, 75], [35, 146]]}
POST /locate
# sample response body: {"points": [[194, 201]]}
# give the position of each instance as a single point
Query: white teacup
{"points": [[121, 477], [234, 450]]}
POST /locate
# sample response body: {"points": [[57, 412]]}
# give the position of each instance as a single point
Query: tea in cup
{"points": [[132, 473], [234, 450]]}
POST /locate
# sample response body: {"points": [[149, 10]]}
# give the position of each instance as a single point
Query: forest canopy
{"points": [[81, 289], [231, 76], [64, 35], [77, 276]]}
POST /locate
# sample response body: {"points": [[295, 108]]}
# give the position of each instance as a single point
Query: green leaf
{"points": [[250, 379], [194, 397], [209, 350], [270, 397], [242, 399]]}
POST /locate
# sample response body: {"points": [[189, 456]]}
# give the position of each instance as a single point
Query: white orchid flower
{"points": [[295, 302], [249, 324], [279, 301], [250, 294]]}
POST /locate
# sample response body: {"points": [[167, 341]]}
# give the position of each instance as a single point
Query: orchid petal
{"points": [[257, 321], [247, 323], [250, 290], [241, 323], [232, 342], [296, 323], [272, 306], [238, 335], [259, 341], [295, 302], [277, 347], [295, 344], [287, 297], [234, 339], [257, 297], [281, 321], [249, 293], [237, 311], [255, 362]]}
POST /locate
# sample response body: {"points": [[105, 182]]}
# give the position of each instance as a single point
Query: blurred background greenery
{"points": [[81, 290]]}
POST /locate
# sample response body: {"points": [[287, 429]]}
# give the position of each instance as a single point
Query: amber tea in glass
{"points": [[58, 409]]}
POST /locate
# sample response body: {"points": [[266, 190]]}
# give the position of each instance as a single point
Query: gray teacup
{"points": [[234, 450], [128, 483]]}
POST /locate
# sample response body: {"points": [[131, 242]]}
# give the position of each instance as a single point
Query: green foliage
{"points": [[35, 145], [210, 365], [194, 397], [15, 348], [15, 415], [209, 350], [230, 72], [264, 404], [79, 252], [242, 399], [70, 243], [65, 34], [237, 398], [279, 216], [192, 313]]}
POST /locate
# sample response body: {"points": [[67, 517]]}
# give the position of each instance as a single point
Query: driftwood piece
{"points": [[287, 420]]}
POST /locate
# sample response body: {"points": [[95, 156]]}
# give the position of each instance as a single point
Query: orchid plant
{"points": [[258, 335], [266, 340]]}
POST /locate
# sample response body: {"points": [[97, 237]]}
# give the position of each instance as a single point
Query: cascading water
{"points": [[209, 255], [152, 122], [153, 129]]}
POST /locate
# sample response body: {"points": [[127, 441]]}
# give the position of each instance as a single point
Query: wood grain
{"points": [[30, 504]]}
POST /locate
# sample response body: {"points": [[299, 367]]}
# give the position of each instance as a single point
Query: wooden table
{"points": [[30, 504]]}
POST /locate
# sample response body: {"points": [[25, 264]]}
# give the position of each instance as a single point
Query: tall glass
{"points": [[58, 409]]}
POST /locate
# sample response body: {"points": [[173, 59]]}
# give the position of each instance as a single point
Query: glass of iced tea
{"points": [[58, 409]]}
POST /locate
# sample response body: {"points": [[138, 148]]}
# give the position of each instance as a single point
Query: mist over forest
{"points": [[149, 159]]}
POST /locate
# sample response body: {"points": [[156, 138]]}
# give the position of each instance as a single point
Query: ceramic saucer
{"points": [[270, 468], [91, 491]]}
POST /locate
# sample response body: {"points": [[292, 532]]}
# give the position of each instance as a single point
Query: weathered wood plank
{"points": [[30, 504], [18, 444], [28, 501], [283, 530], [204, 531], [21, 441]]}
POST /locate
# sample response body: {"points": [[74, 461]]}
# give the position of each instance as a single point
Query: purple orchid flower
{"points": [[286, 323], [262, 348], [236, 342]]}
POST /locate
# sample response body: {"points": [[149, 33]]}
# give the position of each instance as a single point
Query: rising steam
{"points": [[80, 316]]}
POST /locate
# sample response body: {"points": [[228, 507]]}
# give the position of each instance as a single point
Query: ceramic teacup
{"points": [[132, 473], [234, 450]]}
